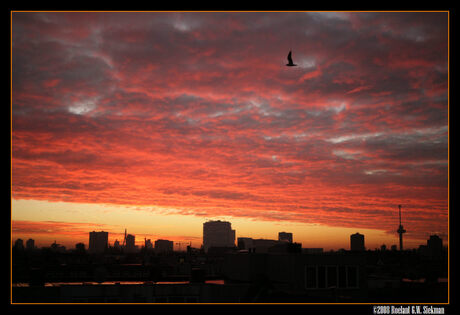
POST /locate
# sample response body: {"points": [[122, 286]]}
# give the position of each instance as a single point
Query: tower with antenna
{"points": [[401, 230], [124, 240]]}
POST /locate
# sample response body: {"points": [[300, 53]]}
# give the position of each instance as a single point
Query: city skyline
{"points": [[375, 241], [313, 275], [353, 245], [158, 121]]}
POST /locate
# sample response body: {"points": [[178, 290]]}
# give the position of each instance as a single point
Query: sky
{"points": [[159, 121]]}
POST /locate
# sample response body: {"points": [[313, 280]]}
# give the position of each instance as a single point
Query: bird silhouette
{"points": [[290, 64]]}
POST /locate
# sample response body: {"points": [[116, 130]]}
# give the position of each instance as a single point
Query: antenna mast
{"points": [[400, 231]]}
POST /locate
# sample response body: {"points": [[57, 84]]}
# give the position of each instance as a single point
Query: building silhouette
{"points": [[80, 248], [316, 276], [218, 234], [98, 242], [312, 250], [285, 237], [357, 242], [30, 244], [116, 245], [285, 247], [434, 246], [245, 243], [58, 248], [130, 246], [262, 245], [19, 244], [164, 246], [148, 244]]}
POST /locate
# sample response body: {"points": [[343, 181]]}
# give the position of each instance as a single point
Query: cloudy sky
{"points": [[157, 122]]}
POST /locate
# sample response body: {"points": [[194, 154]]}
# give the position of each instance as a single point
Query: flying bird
{"points": [[290, 64]]}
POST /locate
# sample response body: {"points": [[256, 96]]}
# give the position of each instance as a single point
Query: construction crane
{"points": [[124, 240], [400, 231]]}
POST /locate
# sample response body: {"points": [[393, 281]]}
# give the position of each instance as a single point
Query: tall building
{"points": [[19, 244], [98, 242], [30, 244], [285, 237], [218, 234], [164, 246], [130, 243], [148, 244], [357, 242], [434, 246]]}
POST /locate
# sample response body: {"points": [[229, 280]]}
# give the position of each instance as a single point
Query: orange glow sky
{"points": [[157, 122]]}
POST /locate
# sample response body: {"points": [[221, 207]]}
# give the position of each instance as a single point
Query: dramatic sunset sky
{"points": [[159, 121]]}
